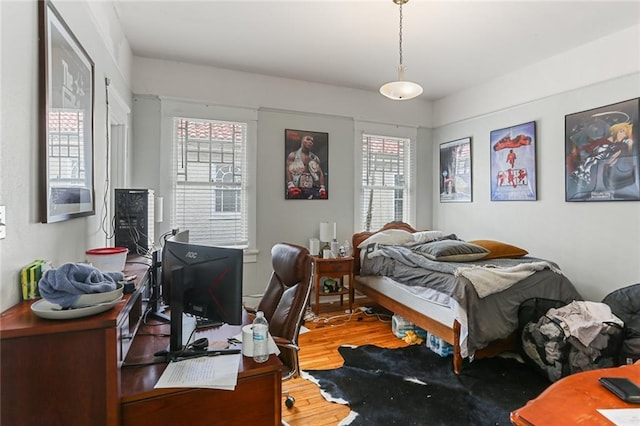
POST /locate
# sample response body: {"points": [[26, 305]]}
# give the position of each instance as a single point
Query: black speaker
{"points": [[134, 219]]}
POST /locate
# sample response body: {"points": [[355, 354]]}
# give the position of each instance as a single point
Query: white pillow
{"points": [[392, 237], [426, 236]]}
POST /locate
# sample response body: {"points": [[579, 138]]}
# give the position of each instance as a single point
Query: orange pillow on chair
{"points": [[499, 250]]}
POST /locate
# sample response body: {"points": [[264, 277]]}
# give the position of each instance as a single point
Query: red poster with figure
{"points": [[513, 163]]}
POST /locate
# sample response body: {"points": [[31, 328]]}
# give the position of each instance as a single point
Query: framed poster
{"points": [[66, 97], [602, 158], [306, 173], [455, 171], [513, 163]]}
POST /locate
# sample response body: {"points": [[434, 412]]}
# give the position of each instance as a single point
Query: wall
{"points": [[280, 104], [27, 238], [298, 220], [604, 59], [597, 244], [233, 88]]}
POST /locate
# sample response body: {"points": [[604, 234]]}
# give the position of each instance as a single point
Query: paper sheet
{"points": [[214, 372], [622, 416]]}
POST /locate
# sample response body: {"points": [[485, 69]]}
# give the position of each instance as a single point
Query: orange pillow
{"points": [[499, 250]]}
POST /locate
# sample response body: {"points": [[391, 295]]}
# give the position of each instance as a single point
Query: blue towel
{"points": [[65, 284]]}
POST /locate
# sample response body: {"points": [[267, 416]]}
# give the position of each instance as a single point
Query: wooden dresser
{"points": [[66, 372], [79, 371]]}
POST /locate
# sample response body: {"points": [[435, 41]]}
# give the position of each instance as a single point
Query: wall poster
{"points": [[602, 158], [66, 128], [455, 171], [306, 165], [513, 163]]}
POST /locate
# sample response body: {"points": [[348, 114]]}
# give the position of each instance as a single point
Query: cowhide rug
{"points": [[414, 386]]}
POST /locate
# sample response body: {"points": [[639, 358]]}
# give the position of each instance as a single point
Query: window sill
{"points": [[250, 255]]}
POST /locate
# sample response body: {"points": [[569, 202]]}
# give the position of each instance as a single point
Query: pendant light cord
{"points": [[400, 38]]}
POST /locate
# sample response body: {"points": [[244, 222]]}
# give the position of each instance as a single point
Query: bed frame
{"points": [[450, 334]]}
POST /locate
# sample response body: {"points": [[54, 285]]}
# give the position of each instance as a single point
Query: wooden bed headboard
{"points": [[361, 236]]}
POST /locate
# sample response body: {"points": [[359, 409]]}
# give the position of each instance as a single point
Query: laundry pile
{"points": [[576, 337]]}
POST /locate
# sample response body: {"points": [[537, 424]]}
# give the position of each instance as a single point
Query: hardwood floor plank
{"points": [[319, 351]]}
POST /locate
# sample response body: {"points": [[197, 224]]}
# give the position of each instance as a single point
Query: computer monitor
{"points": [[205, 281]]}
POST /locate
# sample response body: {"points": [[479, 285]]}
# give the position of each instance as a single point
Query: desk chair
{"points": [[285, 300]]}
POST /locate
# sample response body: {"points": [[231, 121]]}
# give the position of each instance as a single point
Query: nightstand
{"points": [[336, 268]]}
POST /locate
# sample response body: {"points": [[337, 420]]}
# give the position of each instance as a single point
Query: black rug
{"points": [[414, 386]]}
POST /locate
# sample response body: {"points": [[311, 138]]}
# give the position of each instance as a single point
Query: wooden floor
{"points": [[318, 351]]}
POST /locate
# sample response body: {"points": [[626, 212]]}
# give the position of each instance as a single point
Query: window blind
{"points": [[385, 168], [65, 148], [210, 180]]}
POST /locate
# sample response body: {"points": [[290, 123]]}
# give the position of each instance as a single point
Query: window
{"points": [[66, 149], [386, 181], [210, 180]]}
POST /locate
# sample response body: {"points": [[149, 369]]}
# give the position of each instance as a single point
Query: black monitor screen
{"points": [[205, 281]]}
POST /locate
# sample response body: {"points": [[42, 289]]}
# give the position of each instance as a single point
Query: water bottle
{"points": [[335, 248], [260, 330], [347, 248]]}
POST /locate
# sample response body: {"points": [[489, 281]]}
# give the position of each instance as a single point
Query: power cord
{"points": [[310, 316], [386, 318], [369, 312]]}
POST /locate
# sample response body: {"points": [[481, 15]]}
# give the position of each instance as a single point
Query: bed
{"points": [[469, 300]]}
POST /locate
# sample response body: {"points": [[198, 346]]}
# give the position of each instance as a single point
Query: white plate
{"points": [[46, 309], [92, 299]]}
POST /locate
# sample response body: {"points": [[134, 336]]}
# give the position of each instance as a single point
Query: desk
{"points": [[333, 268], [255, 400], [574, 400]]}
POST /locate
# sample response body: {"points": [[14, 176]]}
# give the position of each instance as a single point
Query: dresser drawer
{"points": [[334, 266]]}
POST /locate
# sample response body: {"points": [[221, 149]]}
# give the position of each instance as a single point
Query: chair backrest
{"points": [[286, 296]]}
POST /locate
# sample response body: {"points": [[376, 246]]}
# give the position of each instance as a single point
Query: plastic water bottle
{"points": [[260, 330], [335, 248], [347, 248]]}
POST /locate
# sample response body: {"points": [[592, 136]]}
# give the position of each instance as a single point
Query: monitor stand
{"points": [[159, 315], [155, 300]]}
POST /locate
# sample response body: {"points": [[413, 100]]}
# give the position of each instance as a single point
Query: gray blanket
{"points": [[65, 284], [489, 318]]}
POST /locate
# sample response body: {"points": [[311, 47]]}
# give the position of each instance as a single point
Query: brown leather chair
{"points": [[285, 300]]}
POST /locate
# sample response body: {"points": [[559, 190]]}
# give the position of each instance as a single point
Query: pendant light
{"points": [[401, 90]]}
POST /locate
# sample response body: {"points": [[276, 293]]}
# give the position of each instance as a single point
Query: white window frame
{"points": [[172, 108], [392, 131]]}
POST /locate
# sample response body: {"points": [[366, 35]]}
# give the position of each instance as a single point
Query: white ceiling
{"points": [[447, 45]]}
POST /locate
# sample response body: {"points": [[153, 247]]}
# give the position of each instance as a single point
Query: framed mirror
{"points": [[66, 105]]}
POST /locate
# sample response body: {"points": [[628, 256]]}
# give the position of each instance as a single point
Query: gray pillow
{"points": [[451, 251]]}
